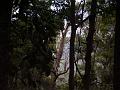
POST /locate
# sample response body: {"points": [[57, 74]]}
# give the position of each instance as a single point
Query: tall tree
{"points": [[116, 84], [72, 40], [5, 17], [89, 40], [61, 47]]}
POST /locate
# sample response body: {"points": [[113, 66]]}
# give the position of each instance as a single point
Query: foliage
{"points": [[34, 28], [33, 31]]}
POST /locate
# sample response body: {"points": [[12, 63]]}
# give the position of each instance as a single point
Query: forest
{"points": [[60, 45]]}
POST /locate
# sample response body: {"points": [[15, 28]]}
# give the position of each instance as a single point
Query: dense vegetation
{"points": [[59, 45]]}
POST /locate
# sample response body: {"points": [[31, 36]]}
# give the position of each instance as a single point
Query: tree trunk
{"points": [[72, 40], [60, 49], [5, 16], [89, 40], [116, 81]]}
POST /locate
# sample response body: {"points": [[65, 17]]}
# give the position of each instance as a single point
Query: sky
{"points": [[78, 0]]}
